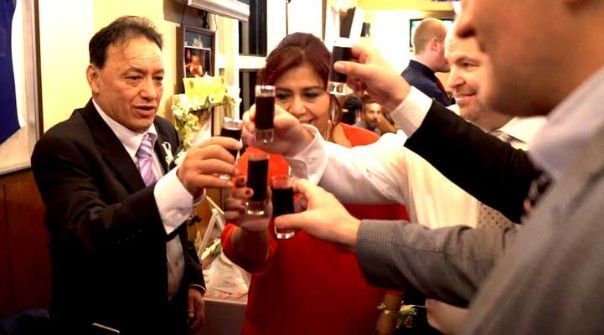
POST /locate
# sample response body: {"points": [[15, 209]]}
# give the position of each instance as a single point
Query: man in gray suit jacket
{"points": [[548, 279]]}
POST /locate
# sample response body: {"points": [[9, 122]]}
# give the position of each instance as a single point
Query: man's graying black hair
{"points": [[121, 30]]}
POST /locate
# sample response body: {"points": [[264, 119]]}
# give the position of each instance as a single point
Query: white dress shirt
{"points": [[389, 172], [174, 202]]}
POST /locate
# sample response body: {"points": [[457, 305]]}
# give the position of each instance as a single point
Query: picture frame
{"points": [[196, 52], [16, 149]]}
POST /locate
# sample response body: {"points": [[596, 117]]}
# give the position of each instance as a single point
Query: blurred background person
{"points": [[429, 57], [304, 285], [373, 118]]}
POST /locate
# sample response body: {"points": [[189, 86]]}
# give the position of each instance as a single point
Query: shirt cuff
{"points": [[199, 287], [311, 162], [174, 202], [410, 114]]}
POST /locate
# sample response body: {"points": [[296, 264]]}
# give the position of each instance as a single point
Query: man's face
{"points": [[516, 42], [129, 87], [469, 70], [372, 112], [468, 67]]}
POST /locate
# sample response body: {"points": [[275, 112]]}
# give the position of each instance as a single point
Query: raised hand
{"points": [[205, 161], [373, 74], [290, 136], [324, 217]]}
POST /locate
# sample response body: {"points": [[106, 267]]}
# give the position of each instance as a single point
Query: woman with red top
{"points": [[303, 285]]}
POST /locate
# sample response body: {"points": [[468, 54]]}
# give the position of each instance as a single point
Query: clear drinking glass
{"points": [[282, 190], [257, 176], [265, 113], [342, 50], [231, 128]]}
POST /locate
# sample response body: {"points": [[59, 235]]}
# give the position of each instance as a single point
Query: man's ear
{"points": [[93, 76], [433, 44]]}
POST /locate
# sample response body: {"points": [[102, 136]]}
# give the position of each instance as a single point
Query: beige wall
{"points": [[65, 29]]}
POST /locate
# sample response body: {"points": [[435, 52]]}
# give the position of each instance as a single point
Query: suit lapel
{"points": [[112, 149]]}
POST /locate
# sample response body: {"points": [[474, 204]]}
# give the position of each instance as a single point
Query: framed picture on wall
{"points": [[196, 50], [19, 96], [198, 62]]}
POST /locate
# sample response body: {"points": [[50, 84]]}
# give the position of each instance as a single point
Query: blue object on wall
{"points": [[9, 123]]}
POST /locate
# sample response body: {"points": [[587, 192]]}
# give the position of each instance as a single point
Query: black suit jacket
{"points": [[424, 79], [484, 166], [108, 243]]}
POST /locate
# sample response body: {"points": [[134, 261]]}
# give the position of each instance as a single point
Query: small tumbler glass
{"points": [[342, 50], [257, 176], [265, 113], [283, 202], [231, 128]]}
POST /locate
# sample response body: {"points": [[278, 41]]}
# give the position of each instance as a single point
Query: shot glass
{"points": [[336, 85], [257, 176], [282, 190], [265, 113], [232, 128]]}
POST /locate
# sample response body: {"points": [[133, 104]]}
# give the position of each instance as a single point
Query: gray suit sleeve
{"points": [[447, 264]]}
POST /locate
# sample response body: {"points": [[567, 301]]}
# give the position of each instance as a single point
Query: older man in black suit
{"points": [[115, 211]]}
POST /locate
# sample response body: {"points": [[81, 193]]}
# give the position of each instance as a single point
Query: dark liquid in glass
{"points": [[338, 54], [234, 133], [283, 201], [257, 175], [265, 112]]}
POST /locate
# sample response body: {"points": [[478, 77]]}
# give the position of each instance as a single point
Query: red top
{"points": [[308, 286]]}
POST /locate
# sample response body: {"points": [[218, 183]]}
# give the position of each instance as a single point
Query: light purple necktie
{"points": [[145, 159]]}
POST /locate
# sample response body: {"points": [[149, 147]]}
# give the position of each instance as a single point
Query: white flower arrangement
{"points": [[186, 114], [191, 113]]}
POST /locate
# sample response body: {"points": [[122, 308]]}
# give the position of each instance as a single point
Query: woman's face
{"points": [[301, 92]]}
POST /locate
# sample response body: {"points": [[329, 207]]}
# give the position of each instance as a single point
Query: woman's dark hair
{"points": [[294, 51], [119, 31]]}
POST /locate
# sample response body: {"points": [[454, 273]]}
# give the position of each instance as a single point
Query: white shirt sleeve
{"points": [[364, 174], [311, 162], [371, 174], [410, 114], [375, 173], [174, 202]]}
